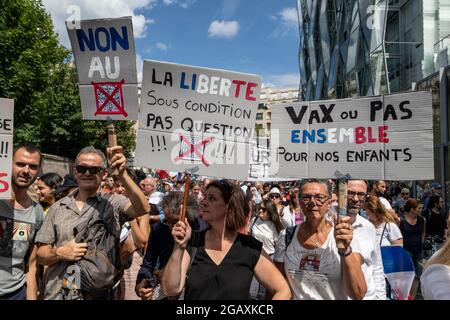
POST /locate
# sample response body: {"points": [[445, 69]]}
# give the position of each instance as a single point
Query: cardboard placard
{"points": [[196, 119], [105, 57]]}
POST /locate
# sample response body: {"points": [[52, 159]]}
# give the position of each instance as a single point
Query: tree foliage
{"points": [[36, 71]]}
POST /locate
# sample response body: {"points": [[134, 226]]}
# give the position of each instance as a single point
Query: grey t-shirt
{"points": [[18, 228]]}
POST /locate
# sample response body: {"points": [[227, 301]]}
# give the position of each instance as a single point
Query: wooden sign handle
{"points": [[187, 185], [112, 141], [342, 205]]}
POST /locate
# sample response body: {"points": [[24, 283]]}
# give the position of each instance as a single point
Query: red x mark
{"points": [[194, 149], [98, 86]]}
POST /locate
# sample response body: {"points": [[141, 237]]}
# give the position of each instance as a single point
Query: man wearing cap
{"points": [[398, 205], [20, 220], [56, 239], [287, 218]]}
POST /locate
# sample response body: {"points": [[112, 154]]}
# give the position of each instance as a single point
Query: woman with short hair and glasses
{"points": [[224, 261], [314, 266]]}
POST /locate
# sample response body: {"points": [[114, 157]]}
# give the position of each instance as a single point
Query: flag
{"points": [[398, 269]]}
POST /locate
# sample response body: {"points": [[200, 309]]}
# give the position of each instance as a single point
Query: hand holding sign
{"points": [[117, 160], [182, 232]]}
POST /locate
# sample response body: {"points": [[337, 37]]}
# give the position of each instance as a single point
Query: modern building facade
{"points": [[354, 48], [269, 97]]}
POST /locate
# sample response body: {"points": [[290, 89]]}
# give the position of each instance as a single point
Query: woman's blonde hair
{"points": [[373, 204], [442, 256]]}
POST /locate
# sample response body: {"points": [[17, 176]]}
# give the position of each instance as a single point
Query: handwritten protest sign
{"points": [[383, 137], [6, 146], [196, 119], [105, 56]]}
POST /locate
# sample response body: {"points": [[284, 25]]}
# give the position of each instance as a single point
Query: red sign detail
{"points": [[109, 98], [194, 149]]}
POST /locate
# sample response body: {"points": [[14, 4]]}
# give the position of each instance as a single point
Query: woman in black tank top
{"points": [[412, 227], [223, 260]]}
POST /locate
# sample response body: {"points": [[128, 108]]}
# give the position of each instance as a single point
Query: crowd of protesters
{"points": [[240, 240]]}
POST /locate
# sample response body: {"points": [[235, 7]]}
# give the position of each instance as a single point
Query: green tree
{"points": [[36, 71]]}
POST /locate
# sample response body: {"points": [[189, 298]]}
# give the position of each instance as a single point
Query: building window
{"points": [[261, 106], [259, 116], [269, 115]]}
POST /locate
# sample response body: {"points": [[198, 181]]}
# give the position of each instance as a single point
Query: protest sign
{"points": [[6, 146], [196, 119], [383, 137], [105, 57]]}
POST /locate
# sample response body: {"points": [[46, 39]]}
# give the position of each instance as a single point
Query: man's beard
{"points": [[22, 185]]}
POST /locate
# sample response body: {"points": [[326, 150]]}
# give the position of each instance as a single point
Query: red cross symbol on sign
{"points": [[109, 98], [194, 148]]}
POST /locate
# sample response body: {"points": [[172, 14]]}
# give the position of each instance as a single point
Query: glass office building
{"points": [[369, 47]]}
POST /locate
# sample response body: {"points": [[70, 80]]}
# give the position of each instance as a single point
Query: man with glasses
{"points": [[20, 220], [57, 247], [365, 241], [398, 205]]}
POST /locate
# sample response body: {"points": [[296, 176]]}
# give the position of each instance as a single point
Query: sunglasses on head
{"points": [[92, 170]]}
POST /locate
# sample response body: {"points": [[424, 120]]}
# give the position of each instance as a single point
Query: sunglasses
{"points": [[405, 193], [264, 209], [274, 196], [92, 170]]}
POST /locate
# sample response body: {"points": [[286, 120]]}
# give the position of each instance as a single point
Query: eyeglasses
{"points": [[319, 198], [92, 170], [274, 196], [361, 195]]}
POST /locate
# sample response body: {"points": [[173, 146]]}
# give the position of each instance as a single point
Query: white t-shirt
{"points": [[288, 218], [265, 232], [312, 274], [365, 243], [391, 233], [435, 282]]}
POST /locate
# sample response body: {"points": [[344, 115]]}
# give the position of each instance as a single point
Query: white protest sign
{"points": [[384, 137], [105, 56], [6, 146], [196, 119]]}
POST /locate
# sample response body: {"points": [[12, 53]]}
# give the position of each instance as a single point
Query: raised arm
{"points": [[138, 204], [175, 271]]}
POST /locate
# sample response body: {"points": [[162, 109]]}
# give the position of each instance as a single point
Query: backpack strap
{"points": [[382, 234], [289, 235]]}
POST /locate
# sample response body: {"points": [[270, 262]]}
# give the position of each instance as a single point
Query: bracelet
{"points": [[346, 254]]}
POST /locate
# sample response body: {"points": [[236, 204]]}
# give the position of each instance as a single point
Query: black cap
{"points": [[69, 182]]}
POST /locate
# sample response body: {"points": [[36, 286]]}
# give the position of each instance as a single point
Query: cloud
{"points": [[289, 16], [282, 80], [162, 46], [182, 3], [223, 29], [61, 10], [289, 21], [139, 67]]}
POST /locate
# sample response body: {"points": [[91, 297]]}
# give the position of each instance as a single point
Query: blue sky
{"points": [[255, 36]]}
